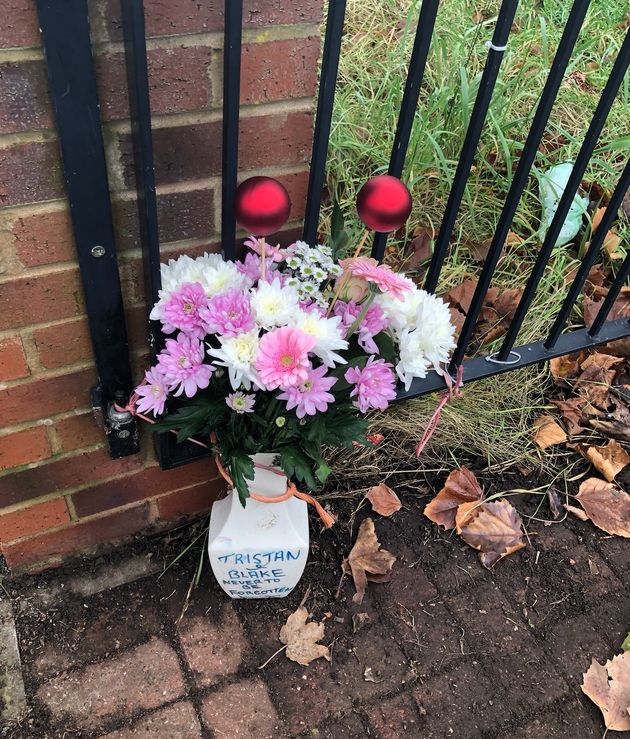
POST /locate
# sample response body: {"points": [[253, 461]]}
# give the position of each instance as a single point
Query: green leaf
{"points": [[625, 647], [241, 468], [339, 237], [386, 347], [296, 464]]}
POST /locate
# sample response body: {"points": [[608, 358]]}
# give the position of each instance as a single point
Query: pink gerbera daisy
{"points": [[153, 392], [182, 310], [228, 314], [381, 275], [311, 395], [181, 364], [283, 357], [374, 385]]}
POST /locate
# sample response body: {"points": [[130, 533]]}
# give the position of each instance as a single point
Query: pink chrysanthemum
{"points": [[181, 364], [311, 395], [240, 402], [153, 392], [250, 266], [272, 253], [182, 310], [283, 357], [380, 274], [374, 385], [372, 323], [228, 314]]}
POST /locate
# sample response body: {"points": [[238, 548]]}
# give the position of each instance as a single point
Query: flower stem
{"points": [[364, 309], [263, 249]]}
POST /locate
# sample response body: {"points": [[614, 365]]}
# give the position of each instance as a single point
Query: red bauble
{"points": [[262, 205], [384, 203]]}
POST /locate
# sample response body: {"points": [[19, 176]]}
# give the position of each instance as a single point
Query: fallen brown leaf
{"points": [[620, 308], [420, 248], [367, 561], [609, 459], [566, 367], [384, 500], [555, 504], [461, 486], [461, 295], [612, 242], [571, 412], [548, 432], [494, 528], [608, 686], [577, 512], [607, 506], [301, 638]]}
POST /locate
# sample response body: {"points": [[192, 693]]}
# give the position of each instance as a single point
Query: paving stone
{"points": [[524, 681], [346, 727], [573, 644], [429, 636], [178, 721], [556, 726], [213, 649], [458, 703], [589, 571], [242, 710], [12, 695], [78, 630], [490, 623], [616, 552], [395, 717], [409, 584], [611, 620], [141, 679]]}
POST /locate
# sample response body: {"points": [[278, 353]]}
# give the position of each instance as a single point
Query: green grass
{"points": [[375, 53]]}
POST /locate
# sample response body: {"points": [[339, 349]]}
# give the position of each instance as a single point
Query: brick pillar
{"points": [[59, 490]]}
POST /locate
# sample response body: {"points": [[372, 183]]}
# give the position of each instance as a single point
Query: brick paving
{"points": [[453, 650]]}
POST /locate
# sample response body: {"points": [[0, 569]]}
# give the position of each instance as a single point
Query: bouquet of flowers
{"points": [[285, 351]]}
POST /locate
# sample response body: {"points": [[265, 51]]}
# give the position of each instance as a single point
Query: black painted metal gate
{"points": [[65, 28]]}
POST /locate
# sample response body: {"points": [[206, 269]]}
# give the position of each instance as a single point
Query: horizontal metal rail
{"points": [[522, 356]]}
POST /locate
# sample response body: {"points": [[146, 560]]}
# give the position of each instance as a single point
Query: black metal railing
{"points": [[91, 179]]}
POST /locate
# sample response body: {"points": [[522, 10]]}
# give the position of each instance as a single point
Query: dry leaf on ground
{"points": [[494, 528], [571, 412], [461, 486], [367, 561], [384, 500], [555, 503], [577, 512], [548, 432], [608, 686], [607, 506], [620, 308], [566, 367], [420, 248], [609, 459], [301, 638]]}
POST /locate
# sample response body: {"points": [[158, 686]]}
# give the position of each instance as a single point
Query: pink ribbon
{"points": [[452, 391]]}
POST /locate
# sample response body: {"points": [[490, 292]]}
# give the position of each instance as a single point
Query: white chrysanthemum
{"points": [[427, 342], [327, 332], [209, 270], [222, 276], [238, 354], [274, 305], [401, 314]]}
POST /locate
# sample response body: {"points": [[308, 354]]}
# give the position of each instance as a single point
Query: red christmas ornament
{"points": [[384, 203], [262, 205]]}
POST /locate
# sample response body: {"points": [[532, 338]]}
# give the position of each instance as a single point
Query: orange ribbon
{"points": [[291, 492]]}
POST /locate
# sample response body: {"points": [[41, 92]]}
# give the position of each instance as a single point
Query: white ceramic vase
{"points": [[260, 550]]}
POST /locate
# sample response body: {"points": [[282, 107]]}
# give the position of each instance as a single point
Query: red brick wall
{"points": [[59, 490]]}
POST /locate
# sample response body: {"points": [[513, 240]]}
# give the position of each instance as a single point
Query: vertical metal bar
{"points": [[610, 298], [72, 82], [526, 159], [140, 114], [417, 64], [597, 239], [323, 117], [231, 107], [496, 50], [590, 140]]}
